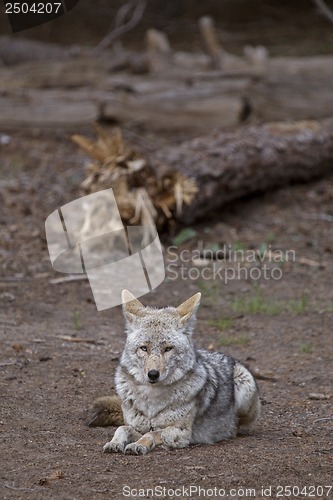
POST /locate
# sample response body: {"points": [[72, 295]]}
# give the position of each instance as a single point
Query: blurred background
{"points": [[290, 27]]}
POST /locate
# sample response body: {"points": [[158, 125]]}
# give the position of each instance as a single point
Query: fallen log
{"points": [[32, 110], [294, 89], [152, 104], [165, 102], [226, 166], [179, 92], [15, 50], [20, 51], [191, 109]]}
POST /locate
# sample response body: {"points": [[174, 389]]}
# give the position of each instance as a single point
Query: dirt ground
{"points": [[279, 324]]}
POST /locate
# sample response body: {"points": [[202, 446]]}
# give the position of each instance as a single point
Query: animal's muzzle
{"points": [[153, 376]]}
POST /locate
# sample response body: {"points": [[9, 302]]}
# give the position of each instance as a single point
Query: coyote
{"points": [[171, 393]]}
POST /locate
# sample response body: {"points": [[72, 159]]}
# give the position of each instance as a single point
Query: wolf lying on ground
{"points": [[171, 393]]}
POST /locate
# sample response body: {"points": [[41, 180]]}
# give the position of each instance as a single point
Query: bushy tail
{"points": [[246, 396], [106, 411]]}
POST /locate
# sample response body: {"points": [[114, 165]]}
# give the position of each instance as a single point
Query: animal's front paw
{"points": [[114, 447], [136, 449]]}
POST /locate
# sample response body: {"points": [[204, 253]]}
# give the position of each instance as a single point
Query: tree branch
{"points": [[326, 11], [120, 25]]}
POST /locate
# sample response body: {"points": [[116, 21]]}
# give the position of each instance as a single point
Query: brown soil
{"points": [[47, 382]]}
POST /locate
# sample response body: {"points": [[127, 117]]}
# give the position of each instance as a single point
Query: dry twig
{"points": [[326, 11], [77, 340], [326, 419], [68, 279], [123, 23]]}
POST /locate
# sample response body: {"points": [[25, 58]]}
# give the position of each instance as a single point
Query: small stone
{"points": [[264, 375], [7, 297], [318, 396], [298, 432]]}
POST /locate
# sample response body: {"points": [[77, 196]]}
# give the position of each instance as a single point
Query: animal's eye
{"points": [[143, 348], [168, 348]]}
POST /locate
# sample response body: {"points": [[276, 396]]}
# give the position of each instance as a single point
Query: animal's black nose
{"points": [[153, 375]]}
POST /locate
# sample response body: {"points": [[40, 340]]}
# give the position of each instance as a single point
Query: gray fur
{"points": [[199, 397]]}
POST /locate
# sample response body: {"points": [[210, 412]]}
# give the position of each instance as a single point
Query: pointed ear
{"points": [[132, 307], [188, 308]]}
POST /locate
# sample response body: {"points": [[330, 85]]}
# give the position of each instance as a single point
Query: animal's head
{"points": [[159, 345]]}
